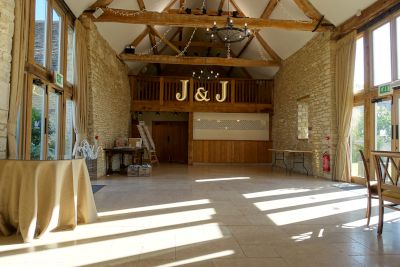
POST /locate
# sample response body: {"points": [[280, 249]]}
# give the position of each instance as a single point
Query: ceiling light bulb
{"points": [[215, 23], [201, 71], [212, 71], [245, 24]]}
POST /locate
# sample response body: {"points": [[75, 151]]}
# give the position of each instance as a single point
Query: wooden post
{"points": [[190, 139], [191, 91], [161, 91], [233, 85]]}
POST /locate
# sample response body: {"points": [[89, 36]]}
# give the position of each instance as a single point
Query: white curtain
{"points": [[81, 84], [345, 61], [19, 56]]}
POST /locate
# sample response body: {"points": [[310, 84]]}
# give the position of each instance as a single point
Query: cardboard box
{"points": [[135, 142]]}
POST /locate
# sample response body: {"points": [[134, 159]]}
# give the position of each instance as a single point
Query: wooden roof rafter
{"points": [[269, 8], [209, 61], [204, 21], [221, 4], [308, 9], [267, 12]]}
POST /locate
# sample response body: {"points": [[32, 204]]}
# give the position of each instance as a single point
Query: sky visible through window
{"points": [[40, 9], [359, 66], [382, 55]]}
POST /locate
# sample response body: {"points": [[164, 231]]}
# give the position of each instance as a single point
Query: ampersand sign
{"points": [[201, 95]]}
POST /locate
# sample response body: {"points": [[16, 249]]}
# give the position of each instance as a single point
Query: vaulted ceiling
{"points": [[281, 28]]}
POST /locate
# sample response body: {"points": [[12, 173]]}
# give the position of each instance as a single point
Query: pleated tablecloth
{"points": [[40, 196]]}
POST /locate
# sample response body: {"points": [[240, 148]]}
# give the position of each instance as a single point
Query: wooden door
{"points": [[171, 141]]}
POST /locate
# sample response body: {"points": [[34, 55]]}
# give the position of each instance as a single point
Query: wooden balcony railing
{"points": [[159, 94]]}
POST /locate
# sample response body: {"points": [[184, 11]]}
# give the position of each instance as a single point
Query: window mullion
{"points": [[49, 37]]}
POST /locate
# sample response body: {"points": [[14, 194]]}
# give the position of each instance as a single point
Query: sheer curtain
{"points": [[81, 84], [19, 56], [345, 61]]}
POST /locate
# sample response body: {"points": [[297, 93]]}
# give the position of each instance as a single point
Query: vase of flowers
{"points": [[90, 153]]}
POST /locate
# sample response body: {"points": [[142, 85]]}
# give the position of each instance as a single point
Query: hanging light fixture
{"points": [[229, 33], [205, 75]]}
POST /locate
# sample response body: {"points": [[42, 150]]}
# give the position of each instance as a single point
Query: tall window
{"points": [[69, 129], [382, 55], [37, 120], [53, 125], [56, 31], [359, 66], [40, 32], [398, 46], [357, 141], [70, 56], [47, 111]]}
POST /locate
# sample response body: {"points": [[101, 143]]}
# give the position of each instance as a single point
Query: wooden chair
{"points": [[372, 188], [388, 173]]}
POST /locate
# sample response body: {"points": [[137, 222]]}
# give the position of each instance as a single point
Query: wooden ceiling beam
{"points": [[172, 38], [100, 3], [371, 12], [269, 9], [140, 37], [141, 4], [188, 20], [221, 4], [233, 2], [267, 48], [165, 41], [198, 11], [170, 4], [209, 61], [242, 51], [308, 9], [199, 44]]}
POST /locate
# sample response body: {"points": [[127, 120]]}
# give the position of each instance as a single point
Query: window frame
{"points": [[45, 74]]}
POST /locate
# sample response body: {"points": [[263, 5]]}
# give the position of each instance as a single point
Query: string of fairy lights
{"points": [[130, 13]]}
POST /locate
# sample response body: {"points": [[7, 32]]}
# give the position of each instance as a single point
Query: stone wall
{"points": [[109, 93], [308, 72], [6, 33]]}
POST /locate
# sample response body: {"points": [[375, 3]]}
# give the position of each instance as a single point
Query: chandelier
{"points": [[205, 75], [229, 33]]}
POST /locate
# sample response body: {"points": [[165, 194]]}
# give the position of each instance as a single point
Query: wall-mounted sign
{"points": [[58, 79], [385, 89], [201, 93]]}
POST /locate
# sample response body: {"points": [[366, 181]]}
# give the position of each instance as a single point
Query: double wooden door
{"points": [[171, 141]]}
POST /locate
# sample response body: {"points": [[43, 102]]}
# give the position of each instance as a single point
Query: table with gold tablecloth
{"points": [[39, 196]]}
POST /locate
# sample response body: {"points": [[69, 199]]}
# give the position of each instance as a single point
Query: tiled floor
{"points": [[218, 216]]}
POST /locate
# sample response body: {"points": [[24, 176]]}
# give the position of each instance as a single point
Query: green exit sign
{"points": [[385, 89]]}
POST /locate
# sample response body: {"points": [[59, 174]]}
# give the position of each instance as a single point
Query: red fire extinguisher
{"points": [[326, 166]]}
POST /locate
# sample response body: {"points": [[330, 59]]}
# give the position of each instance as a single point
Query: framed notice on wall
{"points": [[230, 126]]}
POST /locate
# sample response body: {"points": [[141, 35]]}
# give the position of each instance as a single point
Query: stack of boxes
{"points": [[136, 170]]}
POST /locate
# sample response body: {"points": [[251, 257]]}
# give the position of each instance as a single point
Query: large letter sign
{"points": [[182, 97], [222, 98], [201, 93]]}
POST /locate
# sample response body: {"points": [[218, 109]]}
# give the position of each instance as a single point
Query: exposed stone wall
{"points": [[109, 93], [6, 33], [309, 72]]}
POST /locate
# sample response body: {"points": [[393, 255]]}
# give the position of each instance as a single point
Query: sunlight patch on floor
{"points": [[297, 201], [389, 216], [155, 207], [276, 192], [199, 259], [302, 237], [310, 213], [222, 179], [113, 248]]}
